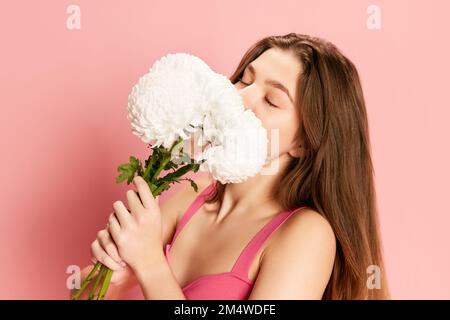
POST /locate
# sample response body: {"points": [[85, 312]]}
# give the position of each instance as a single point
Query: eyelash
{"points": [[270, 103]]}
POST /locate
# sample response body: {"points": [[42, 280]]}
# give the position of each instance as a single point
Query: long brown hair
{"points": [[335, 175]]}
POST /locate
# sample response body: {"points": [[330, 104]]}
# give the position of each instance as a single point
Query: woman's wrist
{"points": [[151, 266]]}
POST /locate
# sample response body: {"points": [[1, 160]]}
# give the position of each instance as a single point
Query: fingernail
{"points": [[123, 264]]}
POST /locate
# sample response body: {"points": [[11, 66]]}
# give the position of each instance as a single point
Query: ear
{"points": [[297, 150]]}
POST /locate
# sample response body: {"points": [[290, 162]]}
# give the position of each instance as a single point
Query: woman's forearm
{"points": [[158, 283]]}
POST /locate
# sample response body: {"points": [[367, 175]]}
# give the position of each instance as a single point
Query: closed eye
{"points": [[270, 103], [243, 82], [267, 100]]}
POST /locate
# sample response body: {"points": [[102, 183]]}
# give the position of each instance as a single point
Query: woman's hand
{"points": [[120, 282], [137, 234], [104, 249]]}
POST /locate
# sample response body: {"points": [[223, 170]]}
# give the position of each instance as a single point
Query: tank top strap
{"points": [[247, 255], [193, 208]]}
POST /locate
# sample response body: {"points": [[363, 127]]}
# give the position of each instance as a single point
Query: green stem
{"points": [[148, 168], [160, 168], [105, 285], [166, 160], [161, 187], [86, 281], [97, 281]]}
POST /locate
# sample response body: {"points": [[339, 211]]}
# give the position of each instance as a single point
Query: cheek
{"points": [[280, 132]]}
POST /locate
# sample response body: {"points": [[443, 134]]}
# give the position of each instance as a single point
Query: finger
{"points": [[122, 214], [122, 276], [133, 201], [119, 277], [147, 199], [114, 228], [109, 246], [103, 257]]}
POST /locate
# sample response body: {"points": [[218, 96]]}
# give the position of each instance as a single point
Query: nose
{"points": [[249, 96]]}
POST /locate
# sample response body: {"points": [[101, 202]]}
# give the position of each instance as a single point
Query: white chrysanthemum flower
{"points": [[165, 103], [182, 97], [242, 152], [236, 138], [223, 105]]}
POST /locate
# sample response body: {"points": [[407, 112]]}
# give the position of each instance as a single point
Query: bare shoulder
{"points": [[306, 223], [173, 207], [305, 227], [299, 261]]}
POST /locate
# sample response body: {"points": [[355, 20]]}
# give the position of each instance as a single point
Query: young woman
{"points": [[307, 231]]}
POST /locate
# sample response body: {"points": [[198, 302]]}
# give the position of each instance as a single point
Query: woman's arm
{"points": [[299, 263], [157, 281]]}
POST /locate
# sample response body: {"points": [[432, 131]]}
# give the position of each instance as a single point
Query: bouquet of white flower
{"points": [[182, 103]]}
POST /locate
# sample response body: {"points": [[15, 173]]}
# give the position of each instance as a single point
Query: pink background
{"points": [[64, 129]]}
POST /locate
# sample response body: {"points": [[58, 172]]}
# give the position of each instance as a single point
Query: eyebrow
{"points": [[273, 83]]}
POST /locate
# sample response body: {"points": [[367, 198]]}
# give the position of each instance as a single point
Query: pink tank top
{"points": [[235, 284]]}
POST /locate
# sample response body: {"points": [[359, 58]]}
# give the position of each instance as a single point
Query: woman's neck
{"points": [[241, 199]]}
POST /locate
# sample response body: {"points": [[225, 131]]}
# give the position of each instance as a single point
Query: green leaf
{"points": [[180, 172], [124, 166], [170, 165], [121, 177], [133, 161], [193, 184], [195, 167], [129, 170], [140, 170]]}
